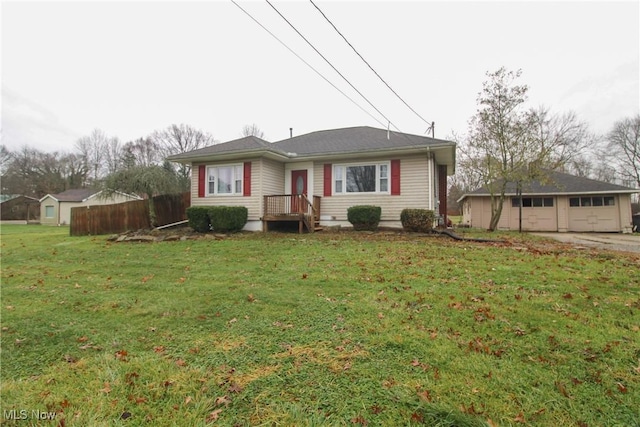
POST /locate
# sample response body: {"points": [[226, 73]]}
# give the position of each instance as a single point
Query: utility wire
{"points": [[369, 65], [309, 65], [334, 68]]}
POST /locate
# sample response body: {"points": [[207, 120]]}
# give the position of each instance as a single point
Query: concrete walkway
{"points": [[611, 241]]}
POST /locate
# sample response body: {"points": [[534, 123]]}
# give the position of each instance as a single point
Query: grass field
{"points": [[324, 329]]}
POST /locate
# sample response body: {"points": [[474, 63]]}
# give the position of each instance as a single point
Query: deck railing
{"points": [[292, 207]]}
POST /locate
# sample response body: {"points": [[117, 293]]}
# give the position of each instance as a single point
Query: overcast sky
{"points": [[130, 68]]}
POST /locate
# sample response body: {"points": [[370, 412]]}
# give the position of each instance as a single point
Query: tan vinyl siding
{"points": [[563, 217], [415, 183], [626, 221], [49, 201], [272, 177]]}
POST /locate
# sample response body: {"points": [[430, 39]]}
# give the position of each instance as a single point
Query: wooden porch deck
{"points": [[292, 208]]}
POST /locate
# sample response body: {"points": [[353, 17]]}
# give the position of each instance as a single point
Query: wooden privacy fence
{"points": [[107, 219], [134, 215], [171, 208]]}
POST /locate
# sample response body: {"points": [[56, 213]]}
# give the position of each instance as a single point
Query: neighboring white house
{"points": [[314, 178], [55, 209], [561, 203]]}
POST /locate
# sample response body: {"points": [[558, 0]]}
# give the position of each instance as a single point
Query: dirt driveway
{"points": [[611, 241]]}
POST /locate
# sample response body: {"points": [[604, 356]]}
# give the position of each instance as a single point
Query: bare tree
{"points": [[20, 176], [141, 152], [624, 147], [557, 139], [507, 143], [92, 149], [253, 130], [581, 165], [177, 139], [5, 158], [113, 155], [75, 171]]}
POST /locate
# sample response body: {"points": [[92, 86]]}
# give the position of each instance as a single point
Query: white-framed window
{"points": [[224, 179], [48, 212], [361, 178]]}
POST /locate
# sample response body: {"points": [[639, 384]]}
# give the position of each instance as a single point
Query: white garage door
{"points": [[594, 213]]}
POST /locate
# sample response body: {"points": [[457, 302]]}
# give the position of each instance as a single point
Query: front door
{"points": [[298, 186]]}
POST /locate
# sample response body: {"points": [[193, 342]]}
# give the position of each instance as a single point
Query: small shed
{"points": [[55, 209], [20, 208]]}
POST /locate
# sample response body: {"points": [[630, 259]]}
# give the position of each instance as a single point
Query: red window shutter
{"points": [[202, 174], [327, 179], [395, 177], [247, 179]]}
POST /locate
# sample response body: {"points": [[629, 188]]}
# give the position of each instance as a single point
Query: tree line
{"points": [[99, 158], [104, 162], [508, 141]]}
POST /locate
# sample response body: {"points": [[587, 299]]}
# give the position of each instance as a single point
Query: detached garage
{"points": [[562, 203]]}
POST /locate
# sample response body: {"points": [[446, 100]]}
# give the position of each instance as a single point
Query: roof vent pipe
{"points": [[290, 132]]}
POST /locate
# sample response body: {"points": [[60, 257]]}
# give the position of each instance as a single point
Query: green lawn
{"points": [[323, 329]]}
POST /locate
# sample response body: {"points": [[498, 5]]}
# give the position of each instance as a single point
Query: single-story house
{"points": [[314, 178], [20, 208], [559, 202], [55, 209]]}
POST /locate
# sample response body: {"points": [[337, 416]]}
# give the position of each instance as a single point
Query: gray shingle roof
{"points": [[334, 141], [560, 183], [248, 143], [74, 195], [346, 140]]}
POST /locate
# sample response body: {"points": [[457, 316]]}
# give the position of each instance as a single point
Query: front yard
{"points": [[319, 329]]}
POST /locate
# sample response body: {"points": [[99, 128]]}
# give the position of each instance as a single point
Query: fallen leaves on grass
{"points": [[70, 359], [222, 400], [137, 399], [213, 416], [425, 395], [562, 389], [471, 409], [375, 409], [359, 420], [235, 387]]}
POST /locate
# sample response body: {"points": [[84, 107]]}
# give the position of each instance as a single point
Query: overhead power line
{"points": [[369, 65], [332, 66], [308, 65]]}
